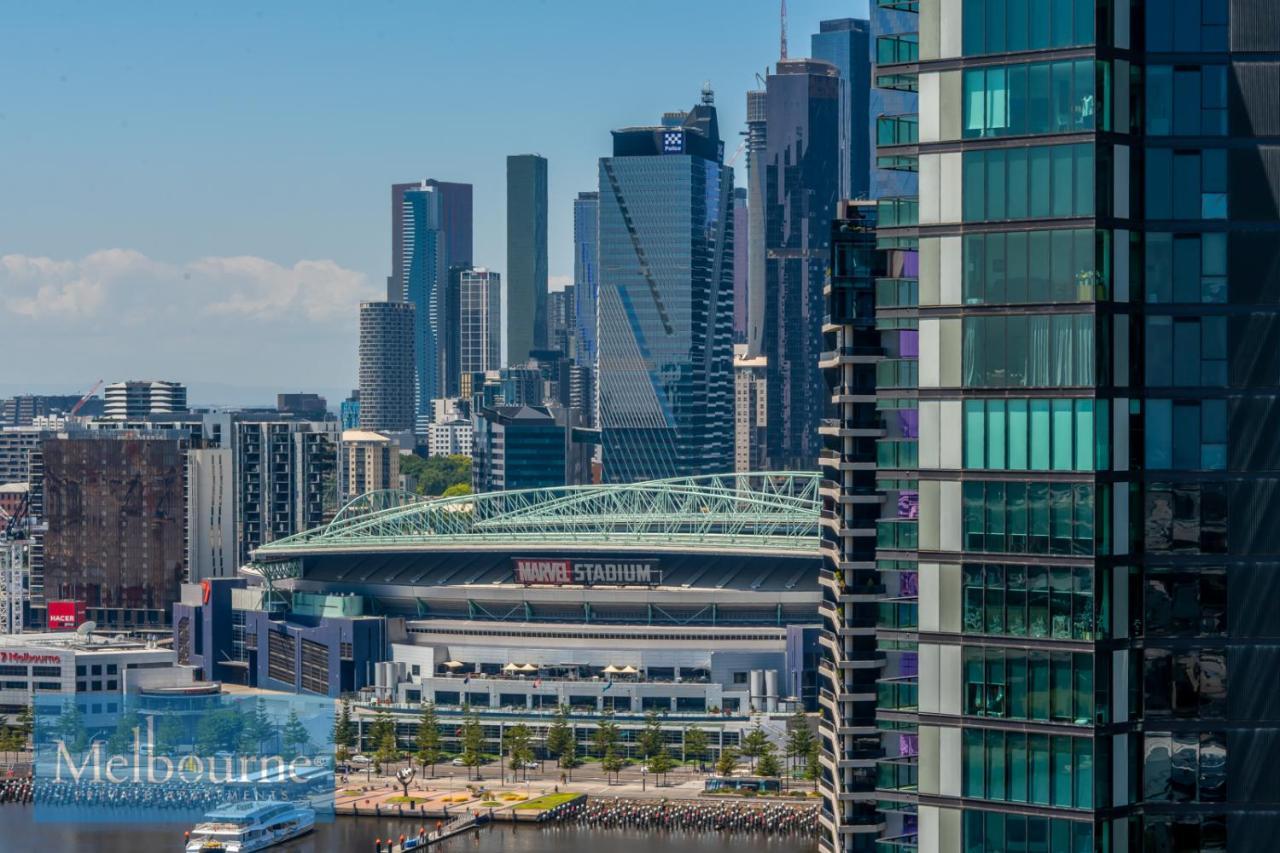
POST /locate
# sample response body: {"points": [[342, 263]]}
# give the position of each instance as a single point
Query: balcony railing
{"points": [[897, 293], [895, 49], [898, 130], [898, 373], [900, 534], [897, 774], [898, 453], [898, 212], [898, 844], [897, 694], [899, 614]]}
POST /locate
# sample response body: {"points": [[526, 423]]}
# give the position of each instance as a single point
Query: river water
{"points": [[20, 832]]}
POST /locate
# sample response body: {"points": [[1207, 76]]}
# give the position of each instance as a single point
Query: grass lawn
{"points": [[401, 800], [550, 801]]}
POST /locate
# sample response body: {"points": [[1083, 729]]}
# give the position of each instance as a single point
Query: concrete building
{"points": [[741, 264], [367, 462], [450, 438], [386, 366], [211, 518], [586, 281], [310, 407], [140, 399], [750, 410], [526, 256], [16, 444], [479, 329]]}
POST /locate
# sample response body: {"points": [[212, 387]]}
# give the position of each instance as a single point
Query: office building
{"points": [[140, 399], [114, 506], [665, 366], [846, 44], [757, 137], [561, 322], [211, 520], [425, 268], [517, 447], [16, 444], [311, 407], [526, 256], [479, 321], [741, 263], [1074, 541], [450, 438], [800, 170], [455, 222], [367, 462], [386, 366], [750, 410], [586, 275], [286, 478], [349, 411]]}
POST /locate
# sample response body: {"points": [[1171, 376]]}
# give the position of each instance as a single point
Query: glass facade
{"points": [[666, 303], [1076, 577]]}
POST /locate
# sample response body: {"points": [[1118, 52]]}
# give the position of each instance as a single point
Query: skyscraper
{"points": [[386, 366], [586, 287], [846, 44], [425, 270], [798, 175], [526, 256], [1074, 541], [741, 242], [455, 222], [666, 300], [480, 320]]}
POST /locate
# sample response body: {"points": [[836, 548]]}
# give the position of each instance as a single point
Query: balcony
{"points": [[898, 49], [898, 130], [898, 454], [900, 212], [898, 82], [897, 534], [898, 614], [898, 844], [898, 373], [897, 774], [898, 694], [897, 293]]}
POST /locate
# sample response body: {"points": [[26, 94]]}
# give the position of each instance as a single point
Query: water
{"points": [[20, 832]]}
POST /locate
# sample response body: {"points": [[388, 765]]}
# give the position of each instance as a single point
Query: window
{"points": [[1186, 518], [1033, 601], [1184, 683], [1029, 351], [1190, 268], [1185, 184], [1046, 181], [1028, 518], [1000, 26], [1022, 267], [998, 434], [1186, 100], [1186, 767], [988, 758], [1186, 352], [1019, 685], [1187, 435], [1185, 603], [1004, 101], [1186, 25]]}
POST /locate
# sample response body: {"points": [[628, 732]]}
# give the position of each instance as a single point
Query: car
{"points": [[458, 762], [524, 765]]}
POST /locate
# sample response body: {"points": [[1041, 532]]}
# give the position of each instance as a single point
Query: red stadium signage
{"points": [[587, 572]]}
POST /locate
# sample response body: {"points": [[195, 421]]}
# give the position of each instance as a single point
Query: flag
{"points": [[466, 680], [607, 686]]}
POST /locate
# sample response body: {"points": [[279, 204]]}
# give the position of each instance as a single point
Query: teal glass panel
{"points": [[1040, 435], [1038, 675], [1062, 758], [1062, 446], [1038, 746], [996, 457], [1018, 431], [974, 434], [1084, 439], [1017, 746]]}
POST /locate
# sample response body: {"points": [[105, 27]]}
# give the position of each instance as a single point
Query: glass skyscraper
{"points": [[1074, 551], [586, 282], [526, 256], [666, 300], [425, 271], [845, 43]]}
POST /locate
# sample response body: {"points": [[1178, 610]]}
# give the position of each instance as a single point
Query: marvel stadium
{"points": [[695, 597]]}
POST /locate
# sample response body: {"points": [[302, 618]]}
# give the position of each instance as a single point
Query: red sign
{"points": [[65, 615], [27, 657]]}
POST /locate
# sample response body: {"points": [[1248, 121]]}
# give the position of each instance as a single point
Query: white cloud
{"points": [[559, 282]]}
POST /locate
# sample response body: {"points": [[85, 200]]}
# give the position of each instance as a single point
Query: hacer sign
{"points": [[587, 572]]}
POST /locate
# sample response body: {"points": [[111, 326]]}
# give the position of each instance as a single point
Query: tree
{"points": [[382, 735], [472, 742], [754, 744], [559, 735], [727, 762], [222, 730], [344, 733], [651, 735], [121, 740], [660, 764], [769, 762], [607, 736], [256, 729], [27, 722], [295, 738], [612, 764], [813, 765], [435, 475], [799, 737], [70, 728], [429, 747], [519, 748], [457, 490], [169, 735], [695, 745], [569, 759]]}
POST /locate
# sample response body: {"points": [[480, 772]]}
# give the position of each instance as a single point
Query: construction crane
{"points": [[736, 154], [86, 398]]}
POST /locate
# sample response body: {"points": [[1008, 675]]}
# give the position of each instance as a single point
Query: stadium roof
{"points": [[777, 510]]}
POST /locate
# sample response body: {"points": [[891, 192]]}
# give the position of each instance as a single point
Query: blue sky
{"points": [[200, 191]]}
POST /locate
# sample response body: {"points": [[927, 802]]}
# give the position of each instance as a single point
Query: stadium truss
{"points": [[776, 510]]}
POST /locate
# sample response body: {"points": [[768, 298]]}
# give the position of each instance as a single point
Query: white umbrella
{"points": [[611, 669]]}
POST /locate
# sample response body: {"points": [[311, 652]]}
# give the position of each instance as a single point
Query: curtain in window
{"points": [[1084, 350], [1038, 355], [1060, 344], [972, 358]]}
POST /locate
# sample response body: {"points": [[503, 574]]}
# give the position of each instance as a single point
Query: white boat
{"points": [[249, 826]]}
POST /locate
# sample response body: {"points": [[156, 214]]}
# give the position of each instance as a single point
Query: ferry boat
{"points": [[249, 826]]}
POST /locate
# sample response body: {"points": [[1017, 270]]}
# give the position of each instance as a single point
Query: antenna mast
{"points": [[783, 15]]}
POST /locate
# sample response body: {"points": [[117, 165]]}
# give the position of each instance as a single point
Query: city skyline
{"points": [[290, 233]]}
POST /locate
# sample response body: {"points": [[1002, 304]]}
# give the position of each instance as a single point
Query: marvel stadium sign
{"points": [[587, 572]]}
